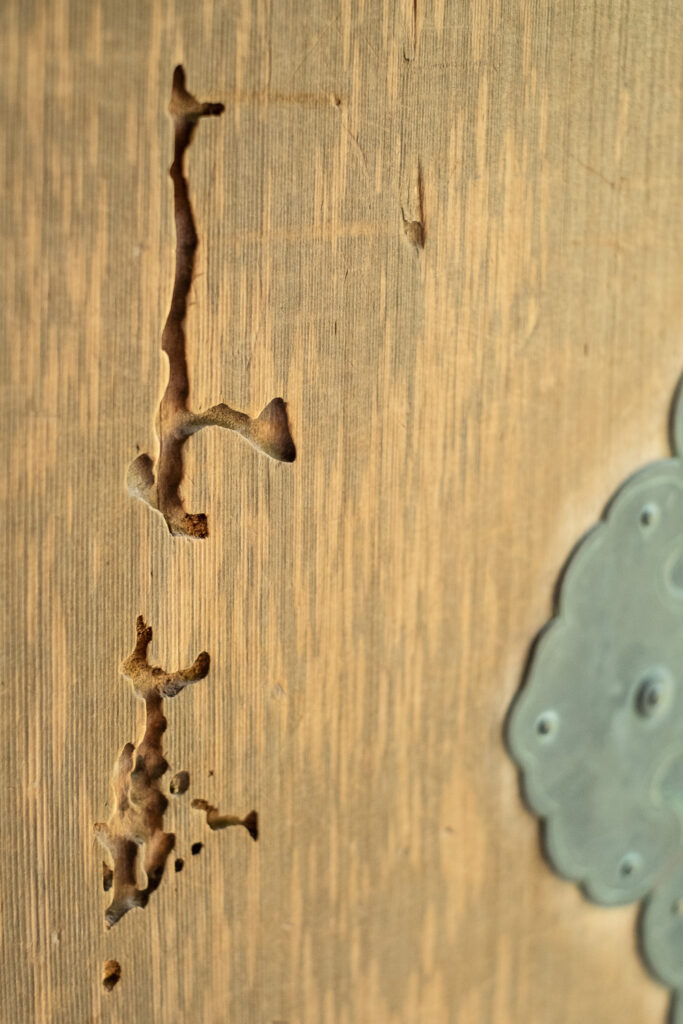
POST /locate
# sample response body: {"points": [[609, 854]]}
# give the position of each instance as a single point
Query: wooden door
{"points": [[448, 234]]}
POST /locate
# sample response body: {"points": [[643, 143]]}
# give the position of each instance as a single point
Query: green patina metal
{"points": [[597, 728]]}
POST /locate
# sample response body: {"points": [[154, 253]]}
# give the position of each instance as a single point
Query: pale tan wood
{"points": [[461, 413]]}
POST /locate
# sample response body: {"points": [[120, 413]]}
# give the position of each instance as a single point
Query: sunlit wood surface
{"points": [[461, 411]]}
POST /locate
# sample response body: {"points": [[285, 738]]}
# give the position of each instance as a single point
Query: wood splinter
{"points": [[159, 486], [139, 804]]}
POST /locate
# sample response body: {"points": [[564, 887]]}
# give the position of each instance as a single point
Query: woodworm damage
{"points": [[159, 485], [137, 820], [139, 804]]}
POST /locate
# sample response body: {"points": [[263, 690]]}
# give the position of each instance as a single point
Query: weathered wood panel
{"points": [[461, 413]]}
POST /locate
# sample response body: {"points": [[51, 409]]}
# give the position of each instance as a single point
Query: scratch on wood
{"points": [[414, 227]]}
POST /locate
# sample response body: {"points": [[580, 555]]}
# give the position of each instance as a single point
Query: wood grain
{"points": [[461, 412]]}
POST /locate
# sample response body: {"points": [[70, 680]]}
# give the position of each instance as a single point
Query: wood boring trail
{"points": [[175, 422], [139, 804]]}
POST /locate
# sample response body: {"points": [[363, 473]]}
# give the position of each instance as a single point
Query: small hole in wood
{"points": [[111, 974], [180, 783]]}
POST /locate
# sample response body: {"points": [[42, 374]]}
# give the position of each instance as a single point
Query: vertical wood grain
{"points": [[461, 411]]}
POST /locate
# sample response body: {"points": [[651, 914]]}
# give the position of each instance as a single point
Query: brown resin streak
{"points": [[269, 432], [139, 804]]}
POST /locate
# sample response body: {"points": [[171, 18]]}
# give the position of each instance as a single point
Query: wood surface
{"points": [[449, 235]]}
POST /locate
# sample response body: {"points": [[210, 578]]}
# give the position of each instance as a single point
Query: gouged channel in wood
{"points": [[139, 804], [269, 433], [216, 820]]}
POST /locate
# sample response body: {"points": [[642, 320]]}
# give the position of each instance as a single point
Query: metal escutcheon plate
{"points": [[597, 728]]}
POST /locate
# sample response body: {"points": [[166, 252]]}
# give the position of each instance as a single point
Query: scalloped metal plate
{"points": [[597, 728]]}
